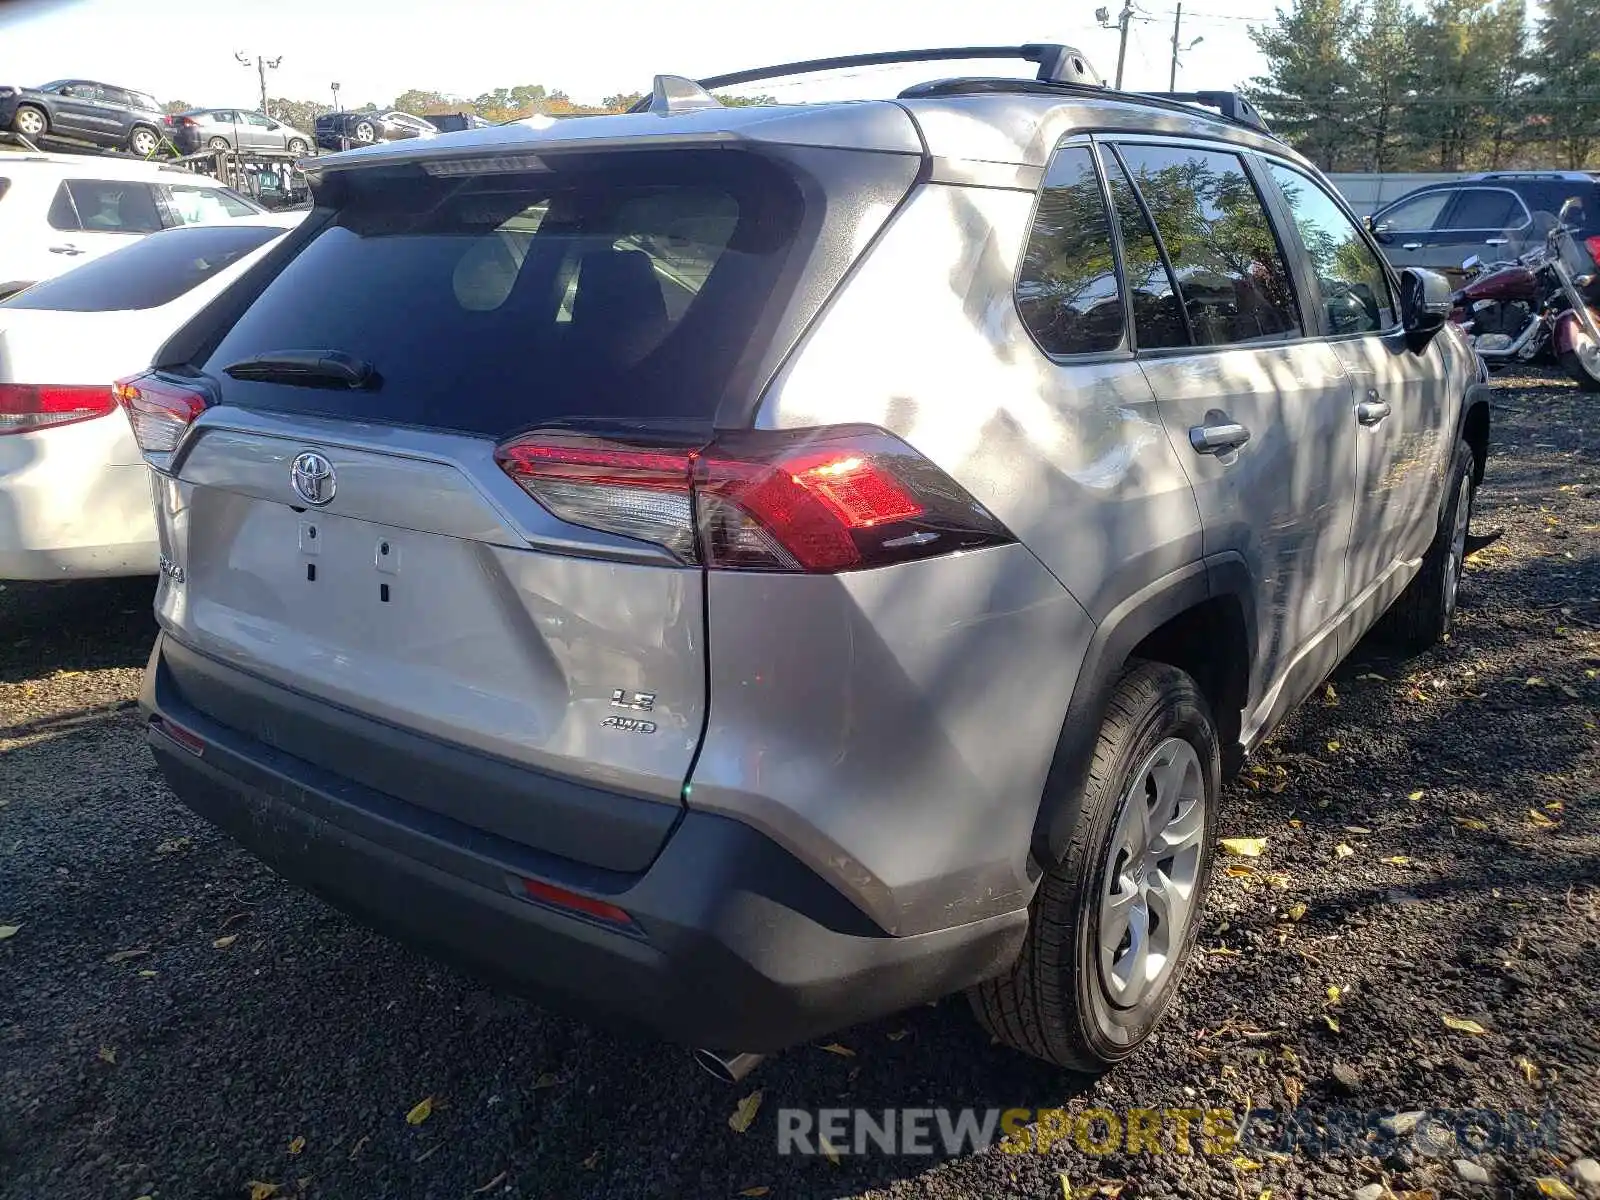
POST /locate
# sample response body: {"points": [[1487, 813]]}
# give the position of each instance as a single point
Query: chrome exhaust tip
{"points": [[729, 1068]]}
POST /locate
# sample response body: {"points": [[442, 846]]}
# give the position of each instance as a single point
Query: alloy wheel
{"points": [[30, 122], [1458, 546]]}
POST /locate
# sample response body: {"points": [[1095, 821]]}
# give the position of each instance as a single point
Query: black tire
{"points": [[144, 141], [30, 121], [1425, 611], [298, 146], [219, 143], [1574, 366], [1054, 1003]]}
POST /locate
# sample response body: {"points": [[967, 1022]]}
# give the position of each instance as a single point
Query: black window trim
{"points": [[1303, 264], [1310, 321], [1457, 198], [1123, 351], [1161, 251], [72, 203]]}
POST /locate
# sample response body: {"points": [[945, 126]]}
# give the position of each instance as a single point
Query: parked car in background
{"points": [[335, 129], [750, 570], [74, 493], [1493, 216], [100, 113], [455, 122], [240, 129], [58, 211]]}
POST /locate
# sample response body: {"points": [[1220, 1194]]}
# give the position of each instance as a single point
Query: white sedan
{"points": [[75, 497]]}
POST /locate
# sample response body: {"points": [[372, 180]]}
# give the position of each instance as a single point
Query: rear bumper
{"points": [[734, 944]]}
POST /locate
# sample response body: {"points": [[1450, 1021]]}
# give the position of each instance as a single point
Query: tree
{"points": [[301, 114], [1383, 61], [1566, 96], [1309, 84], [176, 106], [1457, 48], [419, 102]]}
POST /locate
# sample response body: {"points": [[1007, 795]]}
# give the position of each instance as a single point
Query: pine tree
{"points": [[1383, 60], [1567, 93], [1307, 92]]}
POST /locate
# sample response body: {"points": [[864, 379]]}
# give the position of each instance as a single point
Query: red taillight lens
{"points": [[26, 407], [559, 897], [814, 500], [159, 410], [1593, 243]]}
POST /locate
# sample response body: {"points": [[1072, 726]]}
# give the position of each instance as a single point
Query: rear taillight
{"points": [[159, 410], [1593, 243], [26, 407], [814, 501]]}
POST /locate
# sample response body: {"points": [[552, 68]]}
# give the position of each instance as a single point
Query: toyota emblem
{"points": [[312, 478]]}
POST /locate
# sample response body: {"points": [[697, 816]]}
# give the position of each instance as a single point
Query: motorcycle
{"points": [[1533, 309]]}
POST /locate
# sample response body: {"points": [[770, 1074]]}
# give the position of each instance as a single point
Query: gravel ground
{"points": [[175, 1022]]}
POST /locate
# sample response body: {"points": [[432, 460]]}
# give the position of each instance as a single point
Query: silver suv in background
{"points": [[238, 129], [746, 571]]}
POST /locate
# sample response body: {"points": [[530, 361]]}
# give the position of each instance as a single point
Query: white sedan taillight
{"points": [[28, 407]]}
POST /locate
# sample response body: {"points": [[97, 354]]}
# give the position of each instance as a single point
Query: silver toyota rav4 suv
{"points": [[745, 571]]}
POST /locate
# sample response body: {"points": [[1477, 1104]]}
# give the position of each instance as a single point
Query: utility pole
{"points": [[262, 65], [1124, 18], [1177, 24]]}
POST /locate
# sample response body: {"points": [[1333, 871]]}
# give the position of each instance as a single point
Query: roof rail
{"points": [[1057, 64], [1232, 107]]}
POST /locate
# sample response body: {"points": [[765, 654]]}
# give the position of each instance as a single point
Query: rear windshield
{"points": [[153, 271], [492, 303]]}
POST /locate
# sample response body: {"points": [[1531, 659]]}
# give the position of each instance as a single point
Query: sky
{"points": [[179, 51]]}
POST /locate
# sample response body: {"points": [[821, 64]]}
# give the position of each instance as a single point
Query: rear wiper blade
{"points": [[311, 368]]}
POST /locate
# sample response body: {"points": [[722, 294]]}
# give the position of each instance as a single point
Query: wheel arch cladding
{"points": [[1198, 619], [1475, 430]]}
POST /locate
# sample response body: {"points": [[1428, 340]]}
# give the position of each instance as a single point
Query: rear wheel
{"points": [[1112, 925], [1582, 362], [365, 131], [218, 143], [298, 146], [30, 122], [1427, 608], [143, 141]]}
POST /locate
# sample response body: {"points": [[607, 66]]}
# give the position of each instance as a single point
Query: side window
{"points": [[1067, 291], [255, 119], [1158, 317], [1230, 272], [204, 206], [1353, 283], [1485, 209], [1416, 215], [81, 91], [62, 215], [116, 96], [115, 205]]}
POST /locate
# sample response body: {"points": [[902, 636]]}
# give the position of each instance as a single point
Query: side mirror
{"points": [[1379, 231], [1425, 305]]}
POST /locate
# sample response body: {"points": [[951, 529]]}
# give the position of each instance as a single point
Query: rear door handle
{"points": [[1218, 438], [1411, 245], [1371, 412]]}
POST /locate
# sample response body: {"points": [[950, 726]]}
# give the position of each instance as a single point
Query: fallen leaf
{"points": [[1245, 847], [746, 1112], [1291, 1091], [1332, 1024], [1330, 698], [1224, 952], [147, 974], [1555, 806], [1241, 1163], [841, 1051], [592, 1161], [828, 1151], [1295, 823], [107, 1055], [1297, 912], [1535, 681], [1529, 1070], [1333, 995], [261, 1191], [546, 1080], [1362, 829], [1463, 1025], [421, 1111], [1234, 871], [898, 1034], [1333, 745], [1471, 823], [1342, 851], [175, 846], [1397, 860], [222, 943], [492, 1184], [1278, 879], [1538, 818], [296, 1145], [1551, 1186], [1373, 676], [125, 955], [758, 1190]]}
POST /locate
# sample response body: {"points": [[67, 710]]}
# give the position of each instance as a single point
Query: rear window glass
{"points": [[151, 272], [114, 205], [493, 303]]}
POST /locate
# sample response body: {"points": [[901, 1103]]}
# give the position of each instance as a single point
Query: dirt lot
{"points": [[175, 1022]]}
